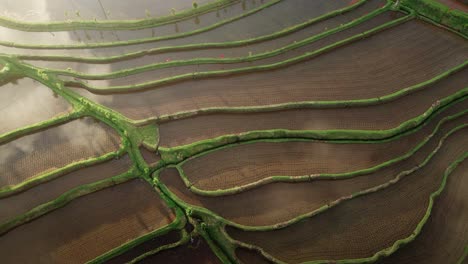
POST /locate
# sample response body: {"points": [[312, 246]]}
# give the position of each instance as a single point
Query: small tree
{"points": [[195, 4]]}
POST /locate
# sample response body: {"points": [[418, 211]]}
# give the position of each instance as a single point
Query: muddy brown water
{"points": [[241, 164], [55, 147], [22, 202], [445, 234], [381, 116], [279, 202], [360, 227], [36, 101], [345, 73], [196, 251], [88, 226]]}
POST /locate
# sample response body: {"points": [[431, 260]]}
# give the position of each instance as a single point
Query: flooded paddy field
{"points": [[227, 168], [381, 116], [88, 226], [36, 101], [372, 220], [24, 201], [233, 131], [331, 76], [446, 230], [55, 147], [263, 206], [243, 50], [197, 251], [148, 76]]}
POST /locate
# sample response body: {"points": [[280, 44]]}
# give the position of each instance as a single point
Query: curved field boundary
{"points": [[113, 24], [184, 239], [440, 13], [65, 198], [397, 244], [377, 188], [205, 213], [445, 27], [178, 224], [48, 176], [136, 41], [177, 154], [132, 135], [197, 46], [201, 61], [27, 130], [265, 67], [307, 104], [329, 176], [325, 207], [198, 231]]}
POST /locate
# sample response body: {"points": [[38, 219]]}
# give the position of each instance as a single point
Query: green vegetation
{"points": [[211, 74], [64, 199], [141, 40], [229, 44], [440, 13], [331, 176], [112, 24], [200, 61], [137, 133]]}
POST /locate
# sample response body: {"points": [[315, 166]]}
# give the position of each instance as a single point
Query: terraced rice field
{"points": [[234, 131]]}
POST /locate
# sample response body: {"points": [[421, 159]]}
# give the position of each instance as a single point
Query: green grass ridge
{"points": [[145, 132]]}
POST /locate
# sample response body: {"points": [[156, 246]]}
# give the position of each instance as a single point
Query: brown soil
{"points": [[170, 72], [346, 73], [154, 243], [197, 252], [149, 156], [247, 163], [446, 233], [360, 227], [331, 23], [22, 202], [382, 116], [87, 227], [279, 202], [54, 148]]}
